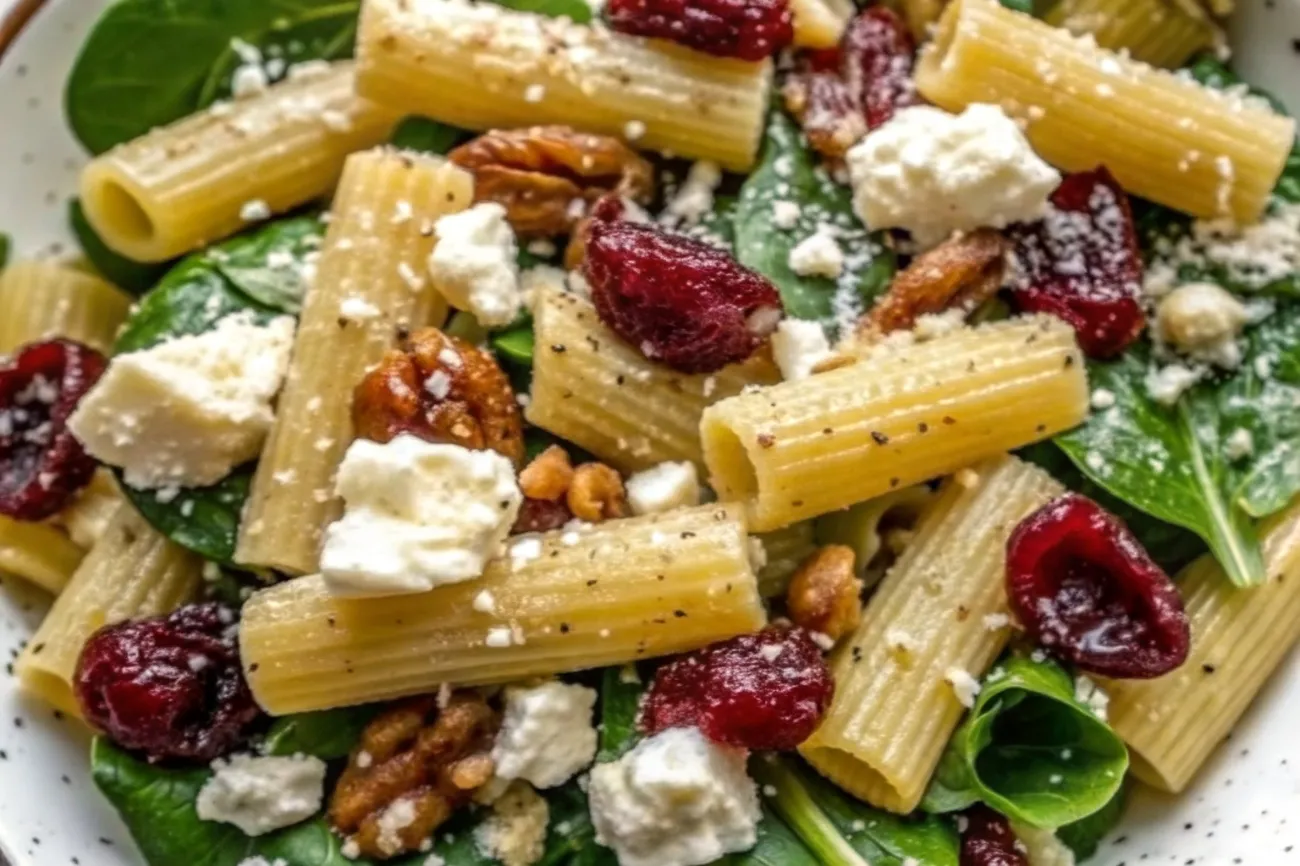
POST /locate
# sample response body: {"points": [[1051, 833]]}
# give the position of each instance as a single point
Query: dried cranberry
{"points": [[170, 686], [987, 840], [683, 302], [747, 29], [757, 691], [877, 56], [1081, 264], [1086, 590], [541, 515], [42, 465]]}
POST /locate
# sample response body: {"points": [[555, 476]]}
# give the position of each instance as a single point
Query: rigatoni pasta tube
{"points": [[820, 23], [624, 590], [39, 553], [1163, 33], [373, 257], [483, 66], [1164, 137], [132, 572], [40, 300], [902, 415], [596, 391], [206, 176], [1172, 724], [894, 707]]}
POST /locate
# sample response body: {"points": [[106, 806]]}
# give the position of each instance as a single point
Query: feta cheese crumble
{"points": [[474, 263], [818, 255], [1202, 321], [515, 832], [798, 346], [663, 488], [262, 794], [418, 515], [964, 686], [546, 733], [695, 198]]}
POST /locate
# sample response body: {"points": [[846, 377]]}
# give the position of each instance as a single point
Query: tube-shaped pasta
{"points": [[1163, 33], [132, 572], [902, 415], [483, 66], [39, 553], [820, 23], [39, 300], [373, 258], [623, 591], [598, 392], [206, 176], [783, 552], [1239, 636], [894, 707], [1164, 137]]}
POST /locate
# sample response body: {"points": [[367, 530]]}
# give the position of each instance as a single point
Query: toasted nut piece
{"points": [[597, 493], [548, 476], [824, 594], [826, 110], [442, 389], [413, 764], [537, 174]]}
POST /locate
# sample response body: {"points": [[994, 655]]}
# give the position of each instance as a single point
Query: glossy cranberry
{"points": [[877, 55], [987, 840], [541, 515], [757, 691], [747, 29], [170, 687], [42, 465], [682, 302], [1081, 264], [1087, 591]]}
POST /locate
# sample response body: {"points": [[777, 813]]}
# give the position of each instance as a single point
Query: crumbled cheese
{"points": [[1202, 321], [474, 263], [1239, 444], [255, 210], [1166, 384], [663, 488], [534, 93], [186, 412], [785, 214], [818, 255], [798, 346], [996, 621], [418, 515], [1252, 257], [967, 478], [546, 733], [695, 198], [485, 602], [499, 637], [356, 309], [1092, 696], [249, 80], [677, 799], [633, 130], [897, 639], [262, 794], [1102, 399], [934, 173], [964, 686], [395, 818], [515, 832], [1042, 847]]}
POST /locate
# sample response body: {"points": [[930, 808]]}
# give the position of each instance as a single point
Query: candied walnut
{"points": [[538, 173], [821, 102], [414, 765], [548, 476], [825, 595], [597, 493], [441, 389]]}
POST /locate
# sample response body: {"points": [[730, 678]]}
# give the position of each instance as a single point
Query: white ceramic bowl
{"points": [[1244, 809]]}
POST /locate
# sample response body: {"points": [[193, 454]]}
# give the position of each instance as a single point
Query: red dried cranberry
{"points": [[878, 54], [42, 465], [1081, 264], [987, 840], [683, 302], [747, 29], [757, 691], [1086, 590], [170, 686], [541, 515]]}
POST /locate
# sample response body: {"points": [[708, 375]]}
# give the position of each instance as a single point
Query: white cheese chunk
{"points": [[1203, 321], [663, 488], [695, 198], [418, 515], [187, 411], [964, 686], [818, 255], [546, 734], [515, 832], [1166, 384], [798, 346], [474, 264], [677, 799], [262, 794], [934, 173]]}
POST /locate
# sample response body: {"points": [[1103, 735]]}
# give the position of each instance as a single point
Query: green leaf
{"points": [[1173, 463], [427, 136], [328, 735], [5, 245], [620, 703], [843, 831], [1029, 750], [788, 171], [515, 345], [127, 274], [578, 10], [202, 519], [267, 265], [720, 222], [147, 63], [1084, 836], [1025, 6], [777, 846]]}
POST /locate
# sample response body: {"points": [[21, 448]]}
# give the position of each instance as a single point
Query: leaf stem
{"points": [[1239, 558], [795, 804]]}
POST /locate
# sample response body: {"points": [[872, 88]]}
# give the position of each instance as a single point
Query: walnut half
{"points": [[825, 595]]}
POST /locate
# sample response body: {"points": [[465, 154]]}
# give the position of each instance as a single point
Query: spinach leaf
{"points": [[777, 846], [328, 734], [1173, 462], [1029, 750], [5, 245], [202, 519], [578, 10], [427, 136], [127, 274], [515, 344], [720, 223], [150, 62], [843, 831], [1085, 835], [788, 172], [620, 703], [267, 265]]}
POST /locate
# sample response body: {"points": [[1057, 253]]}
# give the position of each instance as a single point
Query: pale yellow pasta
{"points": [[1164, 137], [482, 66], [904, 414], [1239, 636], [895, 706], [820, 23], [89, 514], [40, 300], [213, 173], [783, 552], [39, 553], [596, 391], [370, 284], [132, 572], [1160, 32], [622, 591]]}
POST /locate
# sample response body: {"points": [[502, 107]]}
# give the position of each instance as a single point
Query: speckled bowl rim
{"points": [[12, 24]]}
